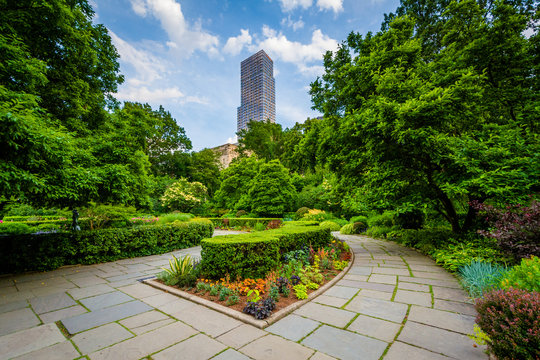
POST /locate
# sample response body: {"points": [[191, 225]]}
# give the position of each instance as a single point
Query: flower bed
{"points": [[301, 273]]}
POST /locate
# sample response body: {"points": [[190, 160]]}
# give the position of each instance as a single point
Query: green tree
{"points": [[184, 196], [204, 168], [262, 138], [235, 182], [414, 124], [272, 192]]}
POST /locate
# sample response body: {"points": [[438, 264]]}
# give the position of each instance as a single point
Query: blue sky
{"points": [[186, 54]]}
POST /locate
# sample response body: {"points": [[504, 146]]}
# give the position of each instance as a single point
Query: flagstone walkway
{"points": [[393, 304]]}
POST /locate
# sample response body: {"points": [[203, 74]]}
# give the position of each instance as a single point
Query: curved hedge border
{"points": [[243, 222], [253, 255], [51, 250]]}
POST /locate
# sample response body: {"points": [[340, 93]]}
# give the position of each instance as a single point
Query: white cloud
{"points": [[187, 38], [147, 66], [235, 45], [279, 47], [232, 140], [334, 5], [295, 25], [144, 94], [289, 5]]}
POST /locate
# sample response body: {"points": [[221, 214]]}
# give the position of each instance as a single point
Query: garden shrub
{"points": [[301, 212], [330, 224], [317, 215], [379, 231], [480, 276], [245, 222], [511, 320], [385, 219], [52, 250], [169, 218], [241, 213], [33, 218], [183, 195], [347, 229], [359, 218], [253, 255], [14, 228], [426, 240], [359, 227], [524, 276], [455, 255], [516, 228]]}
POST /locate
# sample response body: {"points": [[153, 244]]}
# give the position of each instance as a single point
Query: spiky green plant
{"points": [[481, 276], [180, 266]]}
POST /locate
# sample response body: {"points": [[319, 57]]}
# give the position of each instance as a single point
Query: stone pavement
{"points": [[394, 304]]}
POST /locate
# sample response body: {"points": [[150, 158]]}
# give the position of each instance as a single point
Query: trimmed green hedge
{"points": [[242, 222], [51, 250], [253, 255], [34, 218]]}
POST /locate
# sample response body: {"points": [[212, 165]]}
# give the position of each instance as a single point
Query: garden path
{"points": [[394, 303]]}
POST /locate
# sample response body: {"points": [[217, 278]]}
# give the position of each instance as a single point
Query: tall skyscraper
{"points": [[257, 87]]}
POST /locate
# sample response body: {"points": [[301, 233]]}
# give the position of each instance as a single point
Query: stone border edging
{"points": [[261, 324]]}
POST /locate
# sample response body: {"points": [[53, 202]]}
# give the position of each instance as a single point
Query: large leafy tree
{"points": [[437, 110], [271, 192], [235, 182], [262, 138]]}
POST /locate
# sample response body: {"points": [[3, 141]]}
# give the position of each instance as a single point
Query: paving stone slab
{"points": [[350, 345], [330, 300], [241, 335], [16, 344], [231, 354], [400, 351], [293, 327], [321, 356], [450, 294], [326, 314], [367, 285], [100, 337], [160, 299], [209, 321], [15, 305], [343, 292], [140, 290], [354, 277], [62, 351], [413, 297], [18, 296], [377, 328], [81, 293], [51, 302], [376, 294], [441, 341], [88, 281], [412, 286], [360, 270], [92, 319], [198, 347], [442, 319], [62, 314], [128, 276], [383, 279], [143, 319], [105, 300], [152, 326], [146, 344], [176, 306], [444, 283], [458, 307], [383, 309], [272, 347], [391, 271], [16, 320]]}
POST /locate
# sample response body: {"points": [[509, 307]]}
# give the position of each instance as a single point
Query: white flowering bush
{"points": [[183, 195]]}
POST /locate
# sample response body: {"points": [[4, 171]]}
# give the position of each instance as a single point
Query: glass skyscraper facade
{"points": [[257, 88]]}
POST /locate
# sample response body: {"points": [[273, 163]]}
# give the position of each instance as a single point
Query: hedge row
{"points": [[34, 218], [244, 222], [52, 250], [253, 255]]}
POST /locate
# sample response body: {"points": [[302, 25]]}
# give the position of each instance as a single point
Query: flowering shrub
{"points": [[511, 320], [183, 195], [516, 228], [144, 220], [525, 276]]}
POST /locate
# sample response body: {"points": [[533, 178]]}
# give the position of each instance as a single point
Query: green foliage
{"points": [[359, 218], [179, 267], [183, 195], [312, 286], [317, 215], [454, 256], [263, 138], [329, 224], [480, 276], [253, 255], [271, 192], [509, 318], [409, 219], [385, 219], [259, 227], [224, 292], [524, 276], [301, 212], [347, 229], [49, 251], [380, 231], [274, 293], [14, 228], [340, 265], [244, 222], [300, 291], [204, 168], [214, 290], [436, 110], [233, 299], [426, 240], [172, 217], [101, 215]]}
